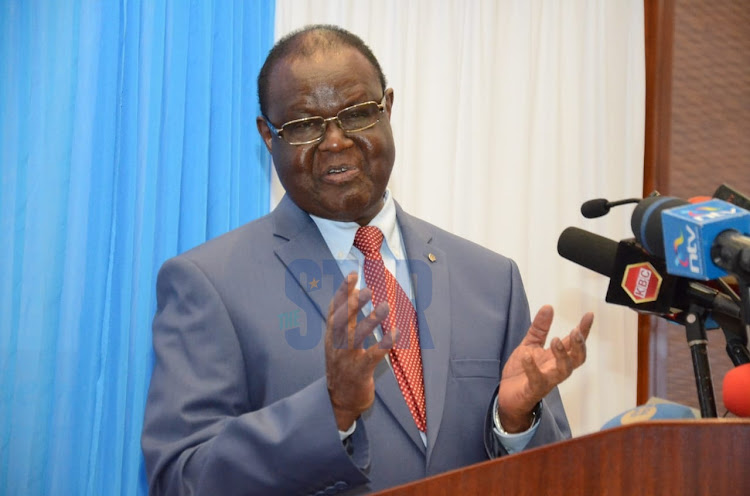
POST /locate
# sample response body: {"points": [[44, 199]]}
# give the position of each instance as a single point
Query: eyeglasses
{"points": [[311, 129]]}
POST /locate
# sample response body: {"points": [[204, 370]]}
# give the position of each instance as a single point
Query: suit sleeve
{"points": [[553, 423], [200, 435]]}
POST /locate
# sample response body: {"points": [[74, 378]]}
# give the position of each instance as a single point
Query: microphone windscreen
{"points": [[653, 410], [646, 222], [587, 249], [736, 390], [595, 208]]}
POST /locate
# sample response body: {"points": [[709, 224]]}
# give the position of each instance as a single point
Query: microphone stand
{"points": [[695, 326], [744, 283], [735, 335], [734, 257]]}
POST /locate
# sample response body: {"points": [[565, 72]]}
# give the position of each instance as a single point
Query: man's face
{"points": [[342, 176]]}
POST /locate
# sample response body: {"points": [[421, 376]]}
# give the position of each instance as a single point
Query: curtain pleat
{"points": [[127, 135]]}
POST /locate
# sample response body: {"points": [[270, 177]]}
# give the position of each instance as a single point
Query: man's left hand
{"points": [[533, 371]]}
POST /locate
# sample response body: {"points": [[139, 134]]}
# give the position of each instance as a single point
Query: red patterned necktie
{"points": [[406, 358]]}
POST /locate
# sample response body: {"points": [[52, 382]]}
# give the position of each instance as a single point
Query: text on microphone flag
{"points": [[641, 282]]}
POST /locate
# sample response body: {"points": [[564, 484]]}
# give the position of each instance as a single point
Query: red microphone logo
{"points": [[641, 282]]}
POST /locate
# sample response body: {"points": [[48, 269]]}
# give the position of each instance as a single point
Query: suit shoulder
{"points": [[454, 244], [251, 239]]}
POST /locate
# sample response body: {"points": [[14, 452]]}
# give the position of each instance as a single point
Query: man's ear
{"points": [[264, 131], [389, 101]]}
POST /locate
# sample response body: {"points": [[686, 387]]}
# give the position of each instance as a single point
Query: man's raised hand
{"points": [[349, 366], [533, 371]]}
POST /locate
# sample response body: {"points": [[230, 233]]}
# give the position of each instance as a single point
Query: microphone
{"points": [[599, 207], [700, 241], [646, 221], [638, 280], [736, 390], [590, 250], [731, 195]]}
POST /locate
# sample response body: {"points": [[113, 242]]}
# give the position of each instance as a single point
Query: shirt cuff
{"points": [[345, 434], [515, 442]]}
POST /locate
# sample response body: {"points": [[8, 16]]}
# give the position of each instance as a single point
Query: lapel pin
{"points": [[431, 258]]}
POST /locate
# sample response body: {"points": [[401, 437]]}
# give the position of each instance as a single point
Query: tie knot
{"points": [[368, 240]]}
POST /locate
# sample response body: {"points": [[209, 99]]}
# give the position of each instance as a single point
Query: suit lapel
{"points": [[429, 268], [305, 254]]}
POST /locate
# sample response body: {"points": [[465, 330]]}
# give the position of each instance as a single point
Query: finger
{"points": [[578, 348], [563, 361], [367, 325], [389, 340], [338, 328], [358, 298], [355, 300], [540, 326], [585, 325], [344, 319], [575, 342], [537, 383], [580, 333], [342, 293], [343, 300], [377, 351]]}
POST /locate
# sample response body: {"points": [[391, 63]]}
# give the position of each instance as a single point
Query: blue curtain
{"points": [[127, 135]]}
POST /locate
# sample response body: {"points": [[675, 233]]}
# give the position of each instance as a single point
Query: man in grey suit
{"points": [[274, 369]]}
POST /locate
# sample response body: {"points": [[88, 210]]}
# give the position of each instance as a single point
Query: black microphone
{"points": [[599, 207], [735, 336], [639, 280], [731, 195], [646, 222]]}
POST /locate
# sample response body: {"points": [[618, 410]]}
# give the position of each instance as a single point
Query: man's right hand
{"points": [[349, 366]]}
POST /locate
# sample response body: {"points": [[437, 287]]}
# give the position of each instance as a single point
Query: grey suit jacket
{"points": [[238, 402]]}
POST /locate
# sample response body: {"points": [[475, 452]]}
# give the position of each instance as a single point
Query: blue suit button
{"points": [[341, 485]]}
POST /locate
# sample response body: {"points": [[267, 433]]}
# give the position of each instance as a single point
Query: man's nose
{"points": [[334, 138]]}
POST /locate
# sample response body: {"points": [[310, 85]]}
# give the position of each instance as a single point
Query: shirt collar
{"points": [[339, 236]]}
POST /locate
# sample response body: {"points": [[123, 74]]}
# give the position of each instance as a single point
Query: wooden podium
{"points": [[669, 457]]}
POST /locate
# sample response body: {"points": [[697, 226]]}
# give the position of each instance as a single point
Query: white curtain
{"points": [[508, 114]]}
